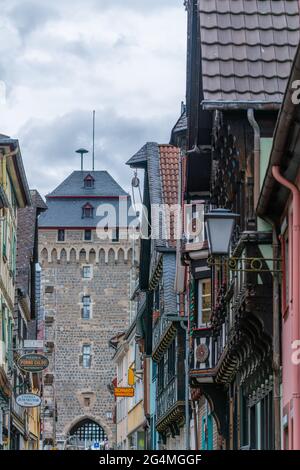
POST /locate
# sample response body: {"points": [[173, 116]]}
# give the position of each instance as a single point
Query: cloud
{"points": [[48, 148], [60, 60], [29, 16]]}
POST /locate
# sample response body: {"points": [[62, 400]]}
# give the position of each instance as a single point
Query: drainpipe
{"points": [[276, 341], [295, 312], [256, 154]]}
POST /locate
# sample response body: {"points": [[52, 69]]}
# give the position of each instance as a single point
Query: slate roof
{"points": [[139, 159], [181, 124], [162, 165], [247, 49], [37, 200], [67, 213], [73, 185], [162, 162], [65, 203]]}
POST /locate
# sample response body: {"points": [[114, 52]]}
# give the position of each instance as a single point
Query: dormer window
{"points": [[89, 181], [87, 211]]}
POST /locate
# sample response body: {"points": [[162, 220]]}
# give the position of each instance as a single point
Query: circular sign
{"points": [[28, 400], [33, 362], [202, 353]]}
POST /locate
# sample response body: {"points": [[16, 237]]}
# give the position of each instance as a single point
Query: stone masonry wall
{"points": [[63, 287]]}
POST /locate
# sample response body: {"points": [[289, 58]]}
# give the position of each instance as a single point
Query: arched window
{"points": [[87, 433], [87, 211]]}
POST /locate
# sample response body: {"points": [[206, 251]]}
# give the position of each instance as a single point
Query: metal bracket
{"points": [[254, 264]]}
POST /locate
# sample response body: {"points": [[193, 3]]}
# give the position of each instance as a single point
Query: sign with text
{"points": [[28, 400], [33, 362], [124, 391], [33, 344]]}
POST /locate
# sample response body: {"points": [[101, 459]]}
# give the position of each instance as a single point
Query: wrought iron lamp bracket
{"points": [[244, 264]]}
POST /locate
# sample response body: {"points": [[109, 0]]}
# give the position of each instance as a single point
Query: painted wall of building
{"points": [[8, 226], [287, 332]]}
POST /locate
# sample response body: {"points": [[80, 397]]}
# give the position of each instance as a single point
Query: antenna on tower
{"points": [[82, 152], [94, 116]]}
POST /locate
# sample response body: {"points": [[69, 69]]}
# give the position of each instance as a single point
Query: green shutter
{"points": [[207, 437], [4, 237], [3, 325]]}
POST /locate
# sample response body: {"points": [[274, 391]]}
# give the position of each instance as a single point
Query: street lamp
{"points": [[219, 225]]}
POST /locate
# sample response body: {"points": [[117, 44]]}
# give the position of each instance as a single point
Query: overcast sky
{"points": [[60, 59]]}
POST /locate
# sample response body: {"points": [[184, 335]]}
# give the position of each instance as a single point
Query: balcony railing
{"points": [[167, 398], [160, 330]]}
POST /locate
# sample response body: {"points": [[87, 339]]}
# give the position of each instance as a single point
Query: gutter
{"points": [[231, 105], [285, 118], [256, 154]]}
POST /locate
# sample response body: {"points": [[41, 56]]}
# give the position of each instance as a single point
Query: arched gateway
{"points": [[88, 434]]}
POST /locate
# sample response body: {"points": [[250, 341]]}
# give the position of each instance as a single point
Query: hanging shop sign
{"points": [[28, 400], [33, 362], [33, 344], [124, 391]]}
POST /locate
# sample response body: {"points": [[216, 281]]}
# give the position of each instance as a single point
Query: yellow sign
{"points": [[124, 392], [131, 377]]}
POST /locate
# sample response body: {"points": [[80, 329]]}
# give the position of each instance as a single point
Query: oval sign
{"points": [[28, 400], [33, 362]]}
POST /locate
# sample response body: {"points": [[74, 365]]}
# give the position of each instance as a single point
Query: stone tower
{"points": [[85, 288]]}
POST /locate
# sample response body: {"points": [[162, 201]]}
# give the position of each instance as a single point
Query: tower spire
{"points": [[94, 118]]}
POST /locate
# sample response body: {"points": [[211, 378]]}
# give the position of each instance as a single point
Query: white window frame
{"points": [[85, 354], [91, 271]]}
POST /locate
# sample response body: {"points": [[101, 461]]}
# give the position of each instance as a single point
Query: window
{"points": [[171, 360], [86, 307], [115, 235], [87, 402], [4, 238], [88, 235], [160, 375], [86, 356], [156, 298], [61, 235], [87, 272], [87, 211], [204, 302], [89, 181]]}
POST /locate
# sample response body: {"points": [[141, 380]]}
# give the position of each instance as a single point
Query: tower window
{"points": [[86, 356], [86, 307], [87, 272], [88, 235], [61, 235], [89, 181], [87, 211], [116, 235], [87, 402]]}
